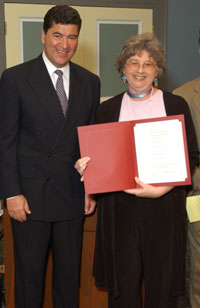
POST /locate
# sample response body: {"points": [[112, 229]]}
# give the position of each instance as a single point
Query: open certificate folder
{"points": [[155, 150]]}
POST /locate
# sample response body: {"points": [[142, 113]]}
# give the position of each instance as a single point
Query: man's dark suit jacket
{"points": [[38, 147]]}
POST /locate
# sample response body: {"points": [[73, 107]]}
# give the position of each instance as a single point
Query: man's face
{"points": [[60, 43]]}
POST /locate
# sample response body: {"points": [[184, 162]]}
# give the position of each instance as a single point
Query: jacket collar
{"points": [[41, 84]]}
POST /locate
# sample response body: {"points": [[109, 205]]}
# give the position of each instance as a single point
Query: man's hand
{"points": [[18, 208], [90, 204]]}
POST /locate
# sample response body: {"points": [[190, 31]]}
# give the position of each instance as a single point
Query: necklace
{"points": [[133, 115], [139, 95]]}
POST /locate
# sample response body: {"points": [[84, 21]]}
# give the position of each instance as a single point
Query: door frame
{"points": [[159, 7]]}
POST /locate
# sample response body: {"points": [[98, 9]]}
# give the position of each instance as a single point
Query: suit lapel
{"points": [[76, 95], [41, 84]]}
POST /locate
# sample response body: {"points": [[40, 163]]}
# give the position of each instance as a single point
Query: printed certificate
{"points": [[155, 150]]}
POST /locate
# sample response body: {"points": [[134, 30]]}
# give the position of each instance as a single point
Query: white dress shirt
{"points": [[51, 70]]}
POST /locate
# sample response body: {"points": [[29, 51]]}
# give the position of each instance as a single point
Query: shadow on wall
{"points": [[171, 82]]}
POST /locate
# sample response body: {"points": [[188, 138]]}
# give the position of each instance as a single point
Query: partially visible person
{"points": [[190, 91], [42, 102], [141, 233]]}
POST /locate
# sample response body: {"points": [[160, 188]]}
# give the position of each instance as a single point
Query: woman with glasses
{"points": [[141, 233]]}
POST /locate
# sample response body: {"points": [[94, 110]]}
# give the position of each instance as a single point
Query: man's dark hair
{"points": [[61, 14]]}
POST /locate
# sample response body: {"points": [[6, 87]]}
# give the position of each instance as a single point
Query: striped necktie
{"points": [[61, 91]]}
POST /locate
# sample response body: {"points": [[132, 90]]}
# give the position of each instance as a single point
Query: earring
{"points": [[124, 79], [155, 82]]}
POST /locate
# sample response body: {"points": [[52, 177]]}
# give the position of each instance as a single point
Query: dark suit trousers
{"points": [[32, 240]]}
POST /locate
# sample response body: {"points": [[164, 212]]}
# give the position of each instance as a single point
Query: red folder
{"points": [[114, 162]]}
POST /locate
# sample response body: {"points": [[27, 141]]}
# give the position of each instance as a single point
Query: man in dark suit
{"points": [[38, 149]]}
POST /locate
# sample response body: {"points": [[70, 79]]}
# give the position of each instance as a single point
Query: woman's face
{"points": [[140, 71]]}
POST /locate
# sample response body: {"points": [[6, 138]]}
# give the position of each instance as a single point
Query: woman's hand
{"points": [[81, 165], [90, 204], [148, 191]]}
